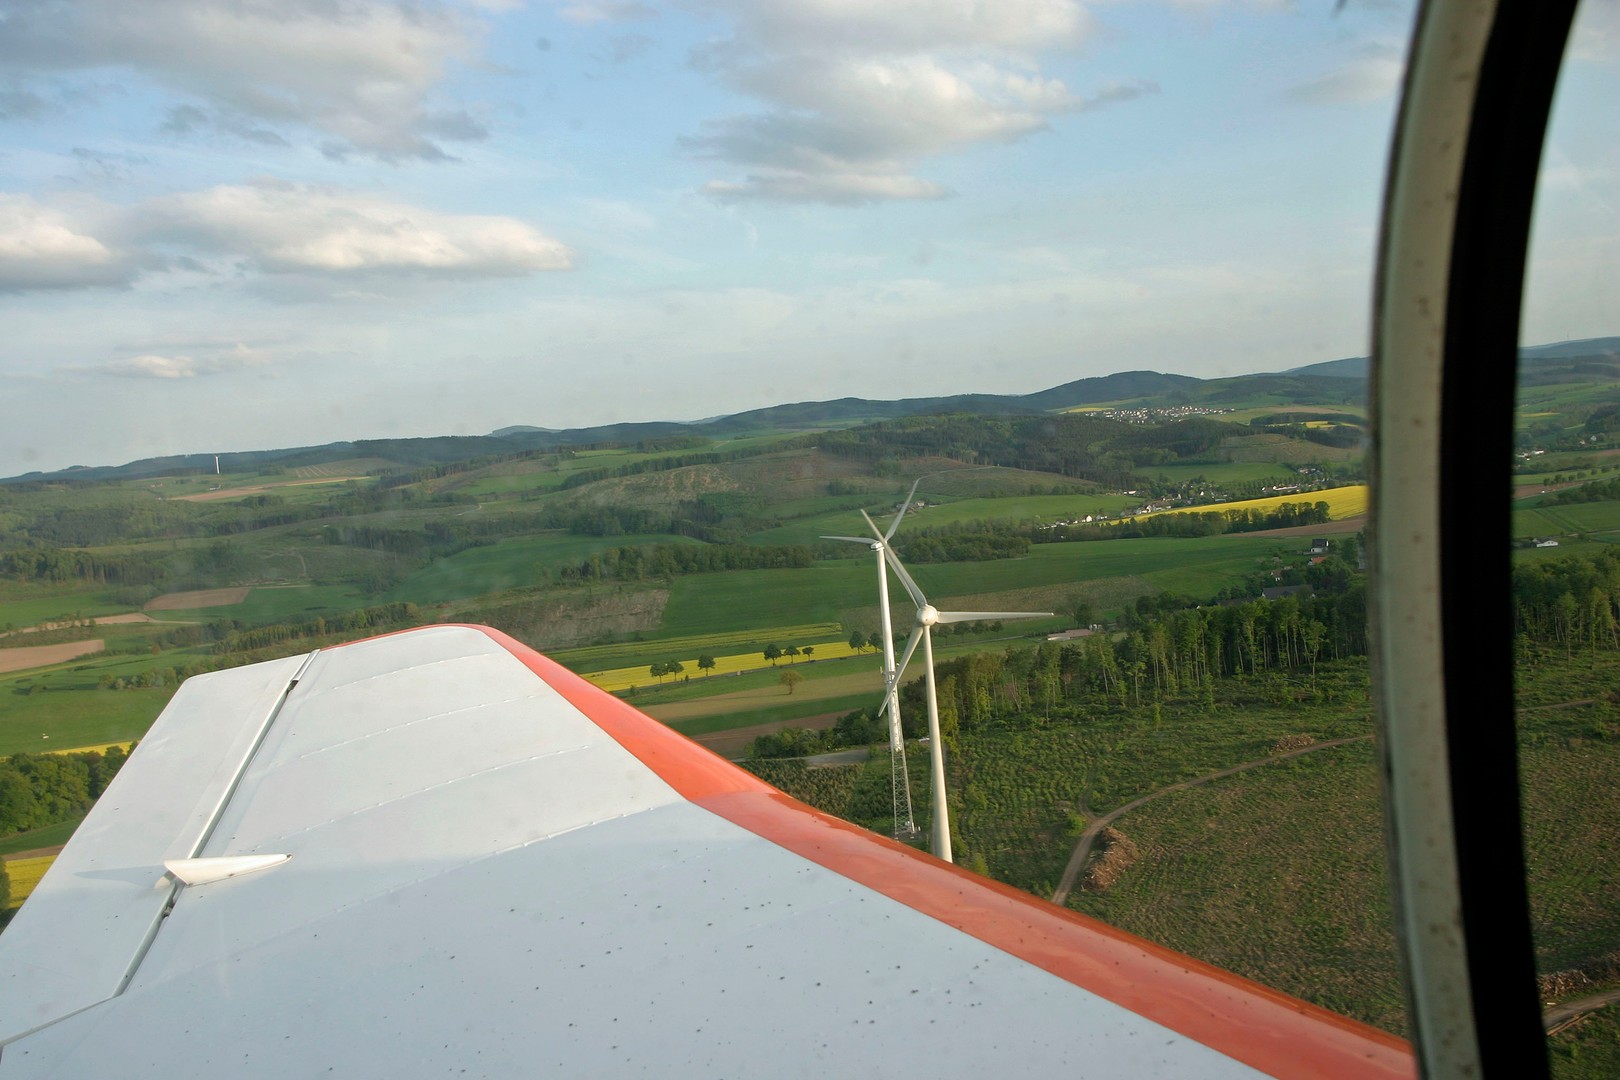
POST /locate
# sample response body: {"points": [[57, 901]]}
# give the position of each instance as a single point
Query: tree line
{"points": [[661, 561], [377, 618], [37, 790], [1569, 602], [1600, 491]]}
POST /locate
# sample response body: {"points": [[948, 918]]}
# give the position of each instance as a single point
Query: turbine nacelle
{"points": [[871, 545]]}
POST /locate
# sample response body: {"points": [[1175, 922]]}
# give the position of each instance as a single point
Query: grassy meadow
{"points": [[33, 604], [1567, 519]]}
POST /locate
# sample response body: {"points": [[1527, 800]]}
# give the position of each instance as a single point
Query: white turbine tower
{"points": [[927, 616], [905, 826]]}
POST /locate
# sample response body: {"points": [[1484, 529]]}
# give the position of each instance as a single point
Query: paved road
{"points": [[1082, 849]]}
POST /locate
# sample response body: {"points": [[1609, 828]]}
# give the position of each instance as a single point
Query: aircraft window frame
{"points": [[1468, 140]]}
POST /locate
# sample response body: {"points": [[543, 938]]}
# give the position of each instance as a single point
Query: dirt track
{"points": [[1561, 1015], [33, 656]]}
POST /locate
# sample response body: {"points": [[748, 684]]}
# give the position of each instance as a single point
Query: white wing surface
{"points": [[495, 869]]}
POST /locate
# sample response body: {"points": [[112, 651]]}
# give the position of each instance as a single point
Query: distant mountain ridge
{"points": [[1333, 381], [1538, 361]]}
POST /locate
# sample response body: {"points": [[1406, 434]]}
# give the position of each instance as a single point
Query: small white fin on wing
{"points": [[219, 867]]}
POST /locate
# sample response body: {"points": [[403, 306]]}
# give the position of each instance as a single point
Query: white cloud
{"points": [[280, 227], [361, 71], [886, 25], [585, 12], [838, 188], [44, 248], [154, 367], [859, 92], [270, 226], [1375, 75], [182, 366]]}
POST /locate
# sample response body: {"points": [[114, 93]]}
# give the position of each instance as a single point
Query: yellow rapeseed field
{"points": [[25, 874], [626, 677], [1343, 502], [100, 748]]}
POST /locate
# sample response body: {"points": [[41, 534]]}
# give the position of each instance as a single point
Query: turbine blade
{"points": [[984, 616], [905, 658], [878, 533], [891, 679], [903, 508], [867, 540], [905, 579]]}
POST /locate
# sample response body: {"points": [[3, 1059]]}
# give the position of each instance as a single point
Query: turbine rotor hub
{"points": [[927, 615]]}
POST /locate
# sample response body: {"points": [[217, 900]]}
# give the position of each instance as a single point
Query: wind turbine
{"points": [[927, 617], [899, 779]]}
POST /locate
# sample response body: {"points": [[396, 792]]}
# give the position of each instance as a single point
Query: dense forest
{"points": [[42, 789], [1573, 602]]}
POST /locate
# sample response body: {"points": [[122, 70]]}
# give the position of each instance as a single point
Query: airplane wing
{"points": [[495, 869]]}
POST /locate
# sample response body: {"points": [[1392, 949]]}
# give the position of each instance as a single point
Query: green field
{"points": [[74, 717], [1197, 567], [823, 678], [787, 710], [276, 604], [31, 605], [1566, 519], [506, 484], [49, 836], [681, 699]]}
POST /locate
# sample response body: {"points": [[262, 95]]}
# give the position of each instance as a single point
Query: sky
{"points": [[246, 224]]}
